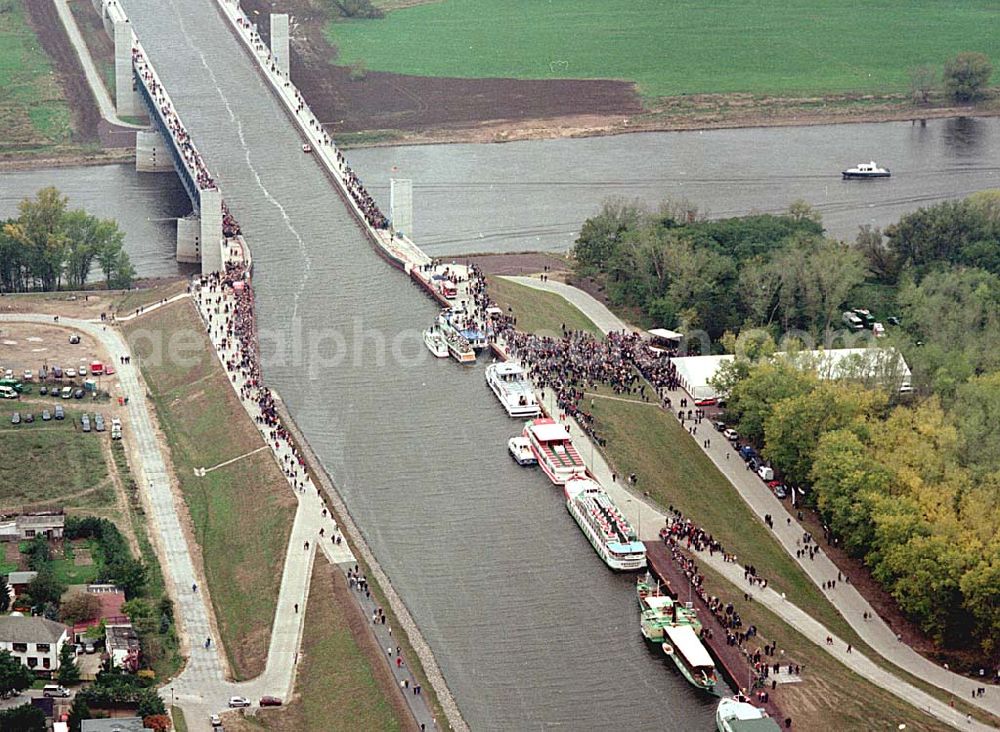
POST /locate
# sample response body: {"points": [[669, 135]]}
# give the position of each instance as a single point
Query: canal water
{"points": [[534, 195], [145, 205]]}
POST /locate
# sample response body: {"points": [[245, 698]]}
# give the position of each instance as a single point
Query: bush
{"points": [[120, 566], [966, 75], [358, 9]]}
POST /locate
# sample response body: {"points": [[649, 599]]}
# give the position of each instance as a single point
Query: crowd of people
{"points": [[182, 140]]}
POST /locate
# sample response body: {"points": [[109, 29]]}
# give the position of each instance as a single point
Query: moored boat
{"points": [[608, 531], [520, 450], [866, 170], [435, 341], [736, 715], [457, 321], [459, 348], [554, 450], [513, 388], [685, 649]]}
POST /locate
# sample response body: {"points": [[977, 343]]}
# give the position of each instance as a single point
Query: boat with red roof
{"points": [[554, 450]]}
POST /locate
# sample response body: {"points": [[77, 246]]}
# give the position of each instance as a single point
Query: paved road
{"points": [[94, 80], [648, 519]]}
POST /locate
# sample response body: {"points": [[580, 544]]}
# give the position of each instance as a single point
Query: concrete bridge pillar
{"points": [[127, 101], [151, 152], [189, 239], [401, 205], [211, 230], [279, 42]]}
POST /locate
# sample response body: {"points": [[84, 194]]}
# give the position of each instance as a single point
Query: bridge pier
{"points": [[189, 239], [152, 153], [279, 43]]}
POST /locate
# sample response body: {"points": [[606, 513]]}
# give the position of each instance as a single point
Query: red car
{"points": [[706, 402], [270, 701]]}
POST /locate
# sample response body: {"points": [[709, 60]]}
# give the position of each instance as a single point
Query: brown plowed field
{"points": [[384, 101]]}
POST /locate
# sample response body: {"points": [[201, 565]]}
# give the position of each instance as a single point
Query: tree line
{"points": [[49, 247]]}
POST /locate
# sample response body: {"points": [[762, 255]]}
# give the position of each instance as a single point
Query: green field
{"points": [[243, 551], [33, 112], [674, 48], [538, 311]]}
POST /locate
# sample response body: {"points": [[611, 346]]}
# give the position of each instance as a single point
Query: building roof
{"points": [[46, 518], [121, 724], [666, 334], [21, 578], [23, 629], [121, 637]]}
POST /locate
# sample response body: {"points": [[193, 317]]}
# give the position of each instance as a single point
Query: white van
{"points": [[55, 690], [7, 392], [765, 472]]}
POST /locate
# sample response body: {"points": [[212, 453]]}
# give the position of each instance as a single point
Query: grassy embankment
{"points": [[647, 441], [337, 687], [538, 311], [241, 515], [797, 48], [34, 115]]}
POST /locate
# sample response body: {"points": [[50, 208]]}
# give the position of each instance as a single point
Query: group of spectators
{"points": [[182, 140]]}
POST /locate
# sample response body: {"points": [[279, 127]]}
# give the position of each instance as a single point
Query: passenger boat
{"points": [[455, 320], [659, 610], [435, 341], [866, 170], [459, 348], [520, 450], [735, 714], [685, 649], [513, 388], [608, 531], [553, 449]]}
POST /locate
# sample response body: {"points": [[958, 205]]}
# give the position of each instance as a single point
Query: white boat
{"points": [[685, 649], [435, 341], [459, 348], [736, 715], [608, 531], [457, 321], [866, 170], [513, 388], [520, 450], [553, 449]]}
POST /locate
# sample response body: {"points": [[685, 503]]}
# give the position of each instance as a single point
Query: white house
{"points": [[35, 642]]}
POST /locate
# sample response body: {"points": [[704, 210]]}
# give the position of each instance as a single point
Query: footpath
{"points": [[648, 520]]}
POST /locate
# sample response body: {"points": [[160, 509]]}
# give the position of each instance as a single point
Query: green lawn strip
{"points": [[125, 303], [794, 47], [241, 514], [177, 715], [66, 570], [33, 110], [538, 311], [831, 696]]}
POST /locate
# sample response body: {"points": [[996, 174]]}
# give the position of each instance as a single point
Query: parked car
{"points": [[731, 435], [754, 463], [235, 702], [29, 418], [70, 373], [765, 472], [892, 320], [29, 375], [46, 415], [8, 374], [60, 414], [15, 418], [719, 426], [55, 690], [270, 701], [711, 402], [215, 720], [57, 372], [747, 452], [99, 422], [85, 423], [852, 321], [43, 390], [78, 394], [67, 392], [89, 646], [779, 491], [74, 339]]}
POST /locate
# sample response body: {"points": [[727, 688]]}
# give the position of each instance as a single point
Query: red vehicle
{"points": [[96, 368], [270, 701], [706, 402]]}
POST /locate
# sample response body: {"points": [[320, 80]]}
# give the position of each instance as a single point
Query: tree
{"points": [[923, 79], [966, 75], [38, 552], [78, 711], [68, 671], [79, 607], [882, 263], [5, 593], [977, 411], [751, 399], [601, 235], [157, 722], [45, 588], [25, 718], [13, 676]]}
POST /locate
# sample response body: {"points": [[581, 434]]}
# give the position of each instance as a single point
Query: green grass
{"points": [[673, 48], [538, 311], [34, 115], [242, 550], [48, 462], [125, 302], [180, 724], [66, 570]]}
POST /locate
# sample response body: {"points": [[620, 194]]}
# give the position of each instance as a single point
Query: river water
{"points": [[530, 629], [535, 194], [146, 206]]}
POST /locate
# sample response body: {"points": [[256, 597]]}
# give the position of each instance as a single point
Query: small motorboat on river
{"points": [[866, 170]]}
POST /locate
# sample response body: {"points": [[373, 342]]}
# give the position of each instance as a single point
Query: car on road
{"points": [[55, 690], [15, 418], [710, 402], [46, 415], [270, 701], [237, 702], [74, 339], [60, 414], [99, 422], [731, 435]]}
